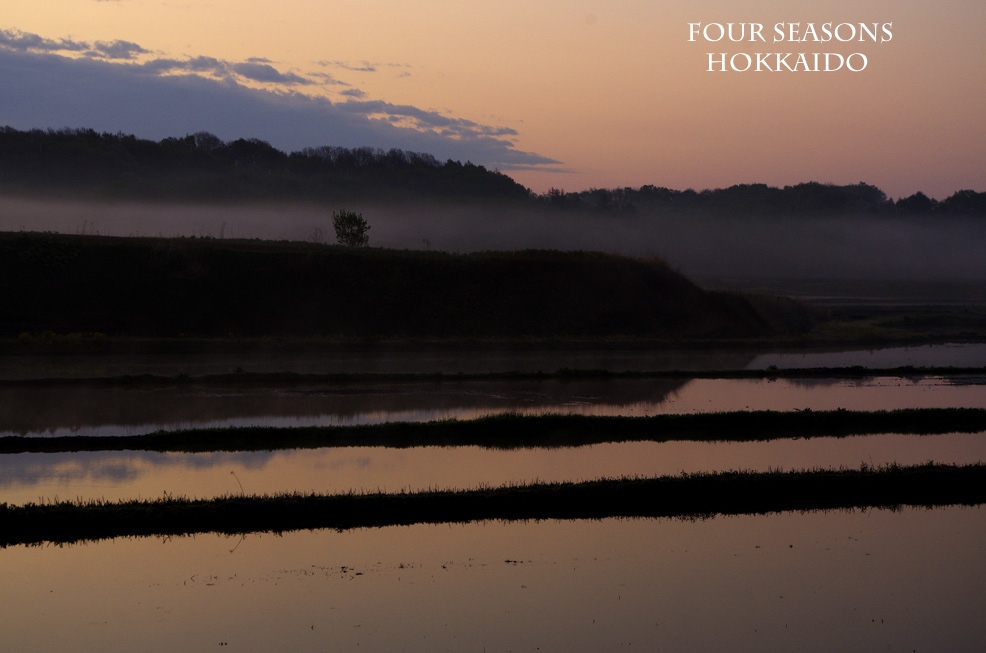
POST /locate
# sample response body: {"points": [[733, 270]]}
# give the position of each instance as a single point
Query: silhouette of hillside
{"points": [[759, 200], [201, 167], [207, 287]]}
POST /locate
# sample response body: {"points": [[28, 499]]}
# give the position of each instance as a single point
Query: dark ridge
{"points": [[700, 495], [201, 167], [281, 379], [84, 163], [516, 431], [206, 287]]}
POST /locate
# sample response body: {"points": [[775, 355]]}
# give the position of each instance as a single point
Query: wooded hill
{"points": [[201, 167]]}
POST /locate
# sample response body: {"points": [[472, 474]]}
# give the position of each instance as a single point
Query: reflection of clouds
{"points": [[120, 476], [31, 469], [337, 464], [43, 469], [251, 460]]}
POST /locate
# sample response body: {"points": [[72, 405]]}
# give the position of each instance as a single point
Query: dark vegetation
{"points": [[698, 495], [206, 287], [201, 167], [759, 200], [352, 229], [515, 431], [243, 378]]}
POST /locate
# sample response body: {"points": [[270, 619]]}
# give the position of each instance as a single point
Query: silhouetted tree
{"points": [[918, 203], [350, 229], [207, 142], [964, 202]]}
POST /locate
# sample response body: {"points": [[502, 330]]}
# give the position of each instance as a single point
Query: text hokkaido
{"points": [[789, 32]]}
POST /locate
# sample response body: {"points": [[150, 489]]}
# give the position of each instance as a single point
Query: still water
{"points": [[42, 412], [32, 477], [867, 580], [59, 411], [484, 360]]}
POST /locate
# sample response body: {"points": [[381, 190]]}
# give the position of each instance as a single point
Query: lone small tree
{"points": [[350, 229]]}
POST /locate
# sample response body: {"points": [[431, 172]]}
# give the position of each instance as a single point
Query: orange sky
{"points": [[613, 92]]}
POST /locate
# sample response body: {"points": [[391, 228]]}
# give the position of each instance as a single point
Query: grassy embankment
{"points": [[516, 431], [169, 295], [681, 496], [207, 288]]}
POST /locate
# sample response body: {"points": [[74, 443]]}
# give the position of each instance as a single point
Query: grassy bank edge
{"points": [[696, 495], [508, 431]]}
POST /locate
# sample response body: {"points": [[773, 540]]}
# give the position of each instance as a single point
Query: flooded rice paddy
{"points": [[62, 411], [34, 477], [865, 580]]}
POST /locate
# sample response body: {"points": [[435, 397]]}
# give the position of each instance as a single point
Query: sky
{"points": [[571, 94]]}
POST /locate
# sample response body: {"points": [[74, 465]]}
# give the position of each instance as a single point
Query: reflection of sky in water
{"points": [[125, 475], [816, 582], [27, 367], [866, 580], [376, 362], [113, 412], [944, 355]]}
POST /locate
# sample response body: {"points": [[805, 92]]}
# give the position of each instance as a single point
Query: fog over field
{"points": [[850, 247]]}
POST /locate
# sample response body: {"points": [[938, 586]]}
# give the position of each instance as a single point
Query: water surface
{"points": [[486, 360], [59, 411], [33, 477], [865, 580]]}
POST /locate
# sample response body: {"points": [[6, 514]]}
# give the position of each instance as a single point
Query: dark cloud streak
{"points": [[364, 67], [261, 72], [26, 42], [167, 97], [117, 49], [427, 119]]}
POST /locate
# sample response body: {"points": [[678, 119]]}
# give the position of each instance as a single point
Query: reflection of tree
{"points": [[916, 204]]}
